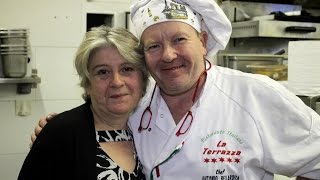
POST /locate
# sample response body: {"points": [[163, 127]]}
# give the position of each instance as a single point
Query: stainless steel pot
{"points": [[14, 65]]}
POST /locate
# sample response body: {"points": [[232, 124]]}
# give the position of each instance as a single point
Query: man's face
{"points": [[174, 53]]}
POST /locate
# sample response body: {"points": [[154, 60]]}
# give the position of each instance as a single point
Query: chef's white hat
{"points": [[203, 15]]}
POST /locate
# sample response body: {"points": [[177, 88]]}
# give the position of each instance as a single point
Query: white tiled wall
{"points": [[55, 30]]}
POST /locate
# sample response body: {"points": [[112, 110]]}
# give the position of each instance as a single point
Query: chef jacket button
{"points": [[161, 115], [149, 129]]}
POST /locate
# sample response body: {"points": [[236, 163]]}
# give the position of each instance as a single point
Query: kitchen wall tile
{"points": [[16, 130], [50, 23], [11, 165], [59, 79]]}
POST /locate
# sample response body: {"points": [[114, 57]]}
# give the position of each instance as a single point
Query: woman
{"points": [[92, 141]]}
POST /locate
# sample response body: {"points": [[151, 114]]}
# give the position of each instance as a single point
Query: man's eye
{"points": [[179, 39], [151, 47]]}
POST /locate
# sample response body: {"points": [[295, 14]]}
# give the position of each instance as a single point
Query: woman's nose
{"points": [[117, 80], [169, 53]]}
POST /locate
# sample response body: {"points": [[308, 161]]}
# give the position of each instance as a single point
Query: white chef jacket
{"points": [[245, 127]]}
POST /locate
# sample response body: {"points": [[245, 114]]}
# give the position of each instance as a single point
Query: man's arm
{"points": [[42, 122]]}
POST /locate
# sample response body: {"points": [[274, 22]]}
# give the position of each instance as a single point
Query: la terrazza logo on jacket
{"points": [[221, 155]]}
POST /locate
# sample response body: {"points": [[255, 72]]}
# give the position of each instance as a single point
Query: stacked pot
{"points": [[14, 52]]}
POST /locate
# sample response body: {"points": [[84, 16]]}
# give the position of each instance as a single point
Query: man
{"points": [[201, 121], [213, 123]]}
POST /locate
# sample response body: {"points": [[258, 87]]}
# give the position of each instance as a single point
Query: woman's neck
{"points": [[104, 121]]}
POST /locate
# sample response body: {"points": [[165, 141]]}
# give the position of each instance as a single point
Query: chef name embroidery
{"points": [[220, 154]]}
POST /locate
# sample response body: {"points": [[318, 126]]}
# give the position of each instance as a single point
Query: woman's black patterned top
{"points": [[107, 169]]}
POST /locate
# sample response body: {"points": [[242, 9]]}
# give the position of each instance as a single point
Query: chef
{"points": [[201, 121]]}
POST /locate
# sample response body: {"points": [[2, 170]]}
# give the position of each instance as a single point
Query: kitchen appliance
{"points": [[14, 52], [261, 33], [261, 36], [279, 25]]}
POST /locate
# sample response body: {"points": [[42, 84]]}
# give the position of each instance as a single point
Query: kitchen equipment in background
{"points": [[318, 107], [312, 101], [264, 28], [276, 72], [273, 66], [237, 11], [292, 24], [260, 30], [276, 29], [14, 52], [14, 64]]}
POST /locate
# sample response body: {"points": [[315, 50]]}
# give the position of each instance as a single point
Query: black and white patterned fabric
{"points": [[107, 169]]}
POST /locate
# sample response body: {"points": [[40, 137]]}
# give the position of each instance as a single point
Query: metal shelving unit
{"points": [[24, 85]]}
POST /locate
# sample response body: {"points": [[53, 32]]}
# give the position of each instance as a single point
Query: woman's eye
{"points": [[127, 69], [102, 72]]}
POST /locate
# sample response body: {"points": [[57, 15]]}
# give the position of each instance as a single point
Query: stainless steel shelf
{"points": [[275, 29], [32, 80], [24, 85]]}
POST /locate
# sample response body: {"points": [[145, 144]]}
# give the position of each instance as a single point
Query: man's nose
{"points": [[169, 53]]}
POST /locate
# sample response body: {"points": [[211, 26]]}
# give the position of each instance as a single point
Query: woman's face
{"points": [[115, 84]]}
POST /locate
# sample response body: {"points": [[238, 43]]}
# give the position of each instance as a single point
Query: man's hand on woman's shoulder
{"points": [[41, 123]]}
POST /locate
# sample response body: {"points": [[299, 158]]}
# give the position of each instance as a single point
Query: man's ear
{"points": [[204, 39]]}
